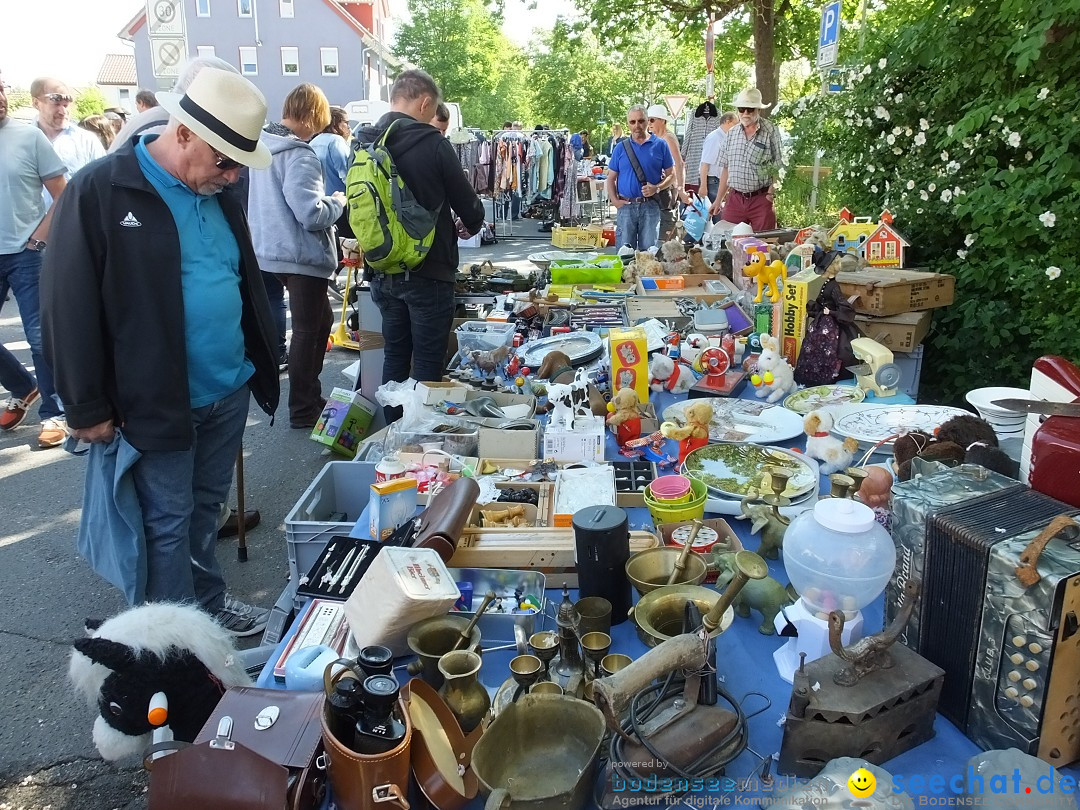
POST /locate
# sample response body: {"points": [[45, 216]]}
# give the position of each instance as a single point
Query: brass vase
{"points": [[462, 691]]}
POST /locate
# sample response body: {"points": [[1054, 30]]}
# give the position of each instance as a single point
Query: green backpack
{"points": [[393, 229]]}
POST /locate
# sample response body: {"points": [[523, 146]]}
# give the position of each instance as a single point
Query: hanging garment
{"points": [[694, 139], [481, 174]]}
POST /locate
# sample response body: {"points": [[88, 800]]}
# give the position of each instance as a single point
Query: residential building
{"points": [[117, 81], [338, 45]]}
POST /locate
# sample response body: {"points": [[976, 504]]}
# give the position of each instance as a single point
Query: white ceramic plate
{"points": [[870, 424], [983, 400], [740, 421], [735, 470], [823, 396]]}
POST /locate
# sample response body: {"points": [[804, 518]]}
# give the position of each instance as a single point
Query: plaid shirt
{"points": [[747, 161]]}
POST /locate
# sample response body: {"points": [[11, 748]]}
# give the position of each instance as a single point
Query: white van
{"points": [[363, 113]]}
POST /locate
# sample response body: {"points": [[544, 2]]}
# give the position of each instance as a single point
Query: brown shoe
{"points": [[231, 527], [16, 409], [53, 432]]}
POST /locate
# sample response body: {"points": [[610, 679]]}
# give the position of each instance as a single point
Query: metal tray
{"points": [[498, 628]]}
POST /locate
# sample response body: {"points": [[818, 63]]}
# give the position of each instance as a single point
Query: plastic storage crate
{"points": [[580, 238], [340, 488], [484, 336], [601, 270]]}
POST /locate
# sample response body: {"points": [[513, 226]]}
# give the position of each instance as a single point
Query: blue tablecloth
{"points": [[745, 665]]}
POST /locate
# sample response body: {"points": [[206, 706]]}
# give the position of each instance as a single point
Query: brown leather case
{"points": [[433, 783], [201, 776], [443, 521], [363, 781]]}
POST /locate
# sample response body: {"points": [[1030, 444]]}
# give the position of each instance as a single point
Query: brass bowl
{"points": [[659, 613], [650, 569], [431, 639]]}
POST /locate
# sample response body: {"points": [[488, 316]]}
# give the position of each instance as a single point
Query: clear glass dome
{"points": [[837, 556]]}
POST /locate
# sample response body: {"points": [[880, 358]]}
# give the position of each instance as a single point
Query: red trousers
{"points": [[758, 211]]}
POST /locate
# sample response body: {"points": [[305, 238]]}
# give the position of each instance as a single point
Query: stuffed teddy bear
{"points": [[774, 377], [833, 453], [699, 414], [625, 417], [667, 375], [964, 439]]}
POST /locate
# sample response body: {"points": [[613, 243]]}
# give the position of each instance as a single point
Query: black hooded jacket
{"points": [[430, 168]]}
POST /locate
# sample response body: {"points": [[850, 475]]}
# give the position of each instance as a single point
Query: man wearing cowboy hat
{"points": [[156, 321], [751, 152]]}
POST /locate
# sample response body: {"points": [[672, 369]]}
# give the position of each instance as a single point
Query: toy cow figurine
{"points": [[175, 650]]}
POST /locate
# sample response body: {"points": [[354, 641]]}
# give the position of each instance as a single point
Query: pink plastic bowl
{"points": [[670, 488]]}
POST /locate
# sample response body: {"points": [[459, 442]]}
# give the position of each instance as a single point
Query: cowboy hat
{"points": [[750, 97], [225, 110], [657, 111]]}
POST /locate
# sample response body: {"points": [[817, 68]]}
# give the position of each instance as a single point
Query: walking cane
{"points": [[241, 529]]}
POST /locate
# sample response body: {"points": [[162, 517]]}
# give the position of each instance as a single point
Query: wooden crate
{"points": [[885, 291]]}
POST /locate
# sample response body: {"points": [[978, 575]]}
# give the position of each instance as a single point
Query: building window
{"points": [[249, 62], [290, 61], [890, 250], [329, 59], [202, 8], [244, 7], [875, 250], [205, 50], [285, 8]]}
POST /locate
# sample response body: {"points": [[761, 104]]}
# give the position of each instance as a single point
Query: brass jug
{"points": [[461, 690]]}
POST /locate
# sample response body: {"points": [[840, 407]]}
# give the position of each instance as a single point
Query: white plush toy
{"points": [[833, 454], [667, 375], [775, 373]]}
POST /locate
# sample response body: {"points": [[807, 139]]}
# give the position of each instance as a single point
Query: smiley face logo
{"points": [[862, 783]]}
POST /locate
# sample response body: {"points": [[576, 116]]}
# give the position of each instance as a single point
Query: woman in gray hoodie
{"points": [[292, 220]]}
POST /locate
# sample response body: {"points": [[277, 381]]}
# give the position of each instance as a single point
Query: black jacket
{"points": [[431, 169], [112, 307]]}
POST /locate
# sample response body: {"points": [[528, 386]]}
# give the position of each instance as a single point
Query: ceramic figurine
{"points": [[625, 418], [775, 377], [769, 522], [833, 453], [767, 596], [666, 374]]}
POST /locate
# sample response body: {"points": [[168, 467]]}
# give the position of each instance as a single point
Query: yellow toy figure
{"points": [[767, 274], [696, 432]]}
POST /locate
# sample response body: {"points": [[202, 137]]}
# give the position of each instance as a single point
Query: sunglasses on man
{"points": [[224, 162], [58, 98], [747, 109]]}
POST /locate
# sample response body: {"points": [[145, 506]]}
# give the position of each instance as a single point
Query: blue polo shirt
{"points": [[210, 279], [653, 155]]}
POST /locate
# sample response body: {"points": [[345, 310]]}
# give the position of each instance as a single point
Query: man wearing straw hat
{"points": [[748, 161], [157, 323]]}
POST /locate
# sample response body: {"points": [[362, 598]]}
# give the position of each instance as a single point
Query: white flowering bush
{"points": [[966, 125]]}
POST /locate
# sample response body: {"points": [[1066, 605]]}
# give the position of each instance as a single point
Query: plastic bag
{"points": [[696, 219], [421, 429]]}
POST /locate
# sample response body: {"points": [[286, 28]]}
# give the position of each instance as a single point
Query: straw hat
{"points": [[750, 97], [225, 110]]}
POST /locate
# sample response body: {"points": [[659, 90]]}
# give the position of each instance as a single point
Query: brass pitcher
{"points": [[461, 690]]}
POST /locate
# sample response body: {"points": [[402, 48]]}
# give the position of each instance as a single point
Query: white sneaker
{"points": [[240, 619], [53, 432]]}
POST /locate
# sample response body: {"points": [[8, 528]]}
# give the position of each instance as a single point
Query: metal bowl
{"points": [[650, 569], [659, 613]]}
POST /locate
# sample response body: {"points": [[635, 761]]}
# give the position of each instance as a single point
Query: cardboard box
{"points": [[890, 291], [436, 392], [586, 443], [898, 333], [514, 444], [601, 480], [799, 290], [629, 353], [344, 422], [391, 505], [651, 283]]}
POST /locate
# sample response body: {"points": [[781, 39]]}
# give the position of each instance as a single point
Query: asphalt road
{"points": [[47, 757]]}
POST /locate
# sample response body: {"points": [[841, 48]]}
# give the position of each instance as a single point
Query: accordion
{"points": [[1000, 614]]}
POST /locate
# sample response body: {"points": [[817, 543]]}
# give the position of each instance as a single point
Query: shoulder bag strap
{"points": [[632, 157]]}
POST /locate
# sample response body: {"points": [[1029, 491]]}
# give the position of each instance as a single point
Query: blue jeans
{"points": [[13, 375], [21, 272], [638, 224], [275, 291], [417, 314], [180, 493]]}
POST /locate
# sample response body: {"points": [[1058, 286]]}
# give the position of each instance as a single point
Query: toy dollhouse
{"points": [[877, 242]]}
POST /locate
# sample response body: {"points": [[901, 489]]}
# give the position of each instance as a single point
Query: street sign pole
{"points": [[828, 45]]}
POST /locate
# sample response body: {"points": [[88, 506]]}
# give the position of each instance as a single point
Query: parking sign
{"points": [[829, 37]]}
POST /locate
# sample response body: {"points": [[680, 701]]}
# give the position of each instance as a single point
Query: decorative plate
{"points": [[733, 470], [743, 420], [823, 396], [870, 424], [580, 347]]}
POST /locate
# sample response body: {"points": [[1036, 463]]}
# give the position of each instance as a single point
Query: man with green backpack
{"points": [[404, 187]]}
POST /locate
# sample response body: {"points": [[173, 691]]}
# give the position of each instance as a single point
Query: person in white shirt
{"points": [[75, 146], [710, 153]]}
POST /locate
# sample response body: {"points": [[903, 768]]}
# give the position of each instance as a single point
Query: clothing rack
{"points": [[508, 201]]}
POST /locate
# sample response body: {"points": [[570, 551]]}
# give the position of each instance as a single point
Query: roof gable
{"points": [[118, 69]]}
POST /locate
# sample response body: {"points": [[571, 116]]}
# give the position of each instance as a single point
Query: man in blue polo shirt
{"points": [[633, 189]]}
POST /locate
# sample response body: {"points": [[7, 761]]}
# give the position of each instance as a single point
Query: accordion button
{"points": [[1015, 676], [1019, 641], [1029, 683], [1016, 658], [1012, 692], [1026, 701], [1032, 666], [1035, 648]]}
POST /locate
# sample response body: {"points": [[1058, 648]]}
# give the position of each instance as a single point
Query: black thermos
{"points": [[602, 538]]}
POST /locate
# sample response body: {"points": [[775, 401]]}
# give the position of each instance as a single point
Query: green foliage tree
{"points": [[17, 98], [966, 124], [460, 43], [90, 101]]}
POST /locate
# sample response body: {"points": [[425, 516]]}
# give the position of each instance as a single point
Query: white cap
{"points": [[657, 111], [844, 515]]}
